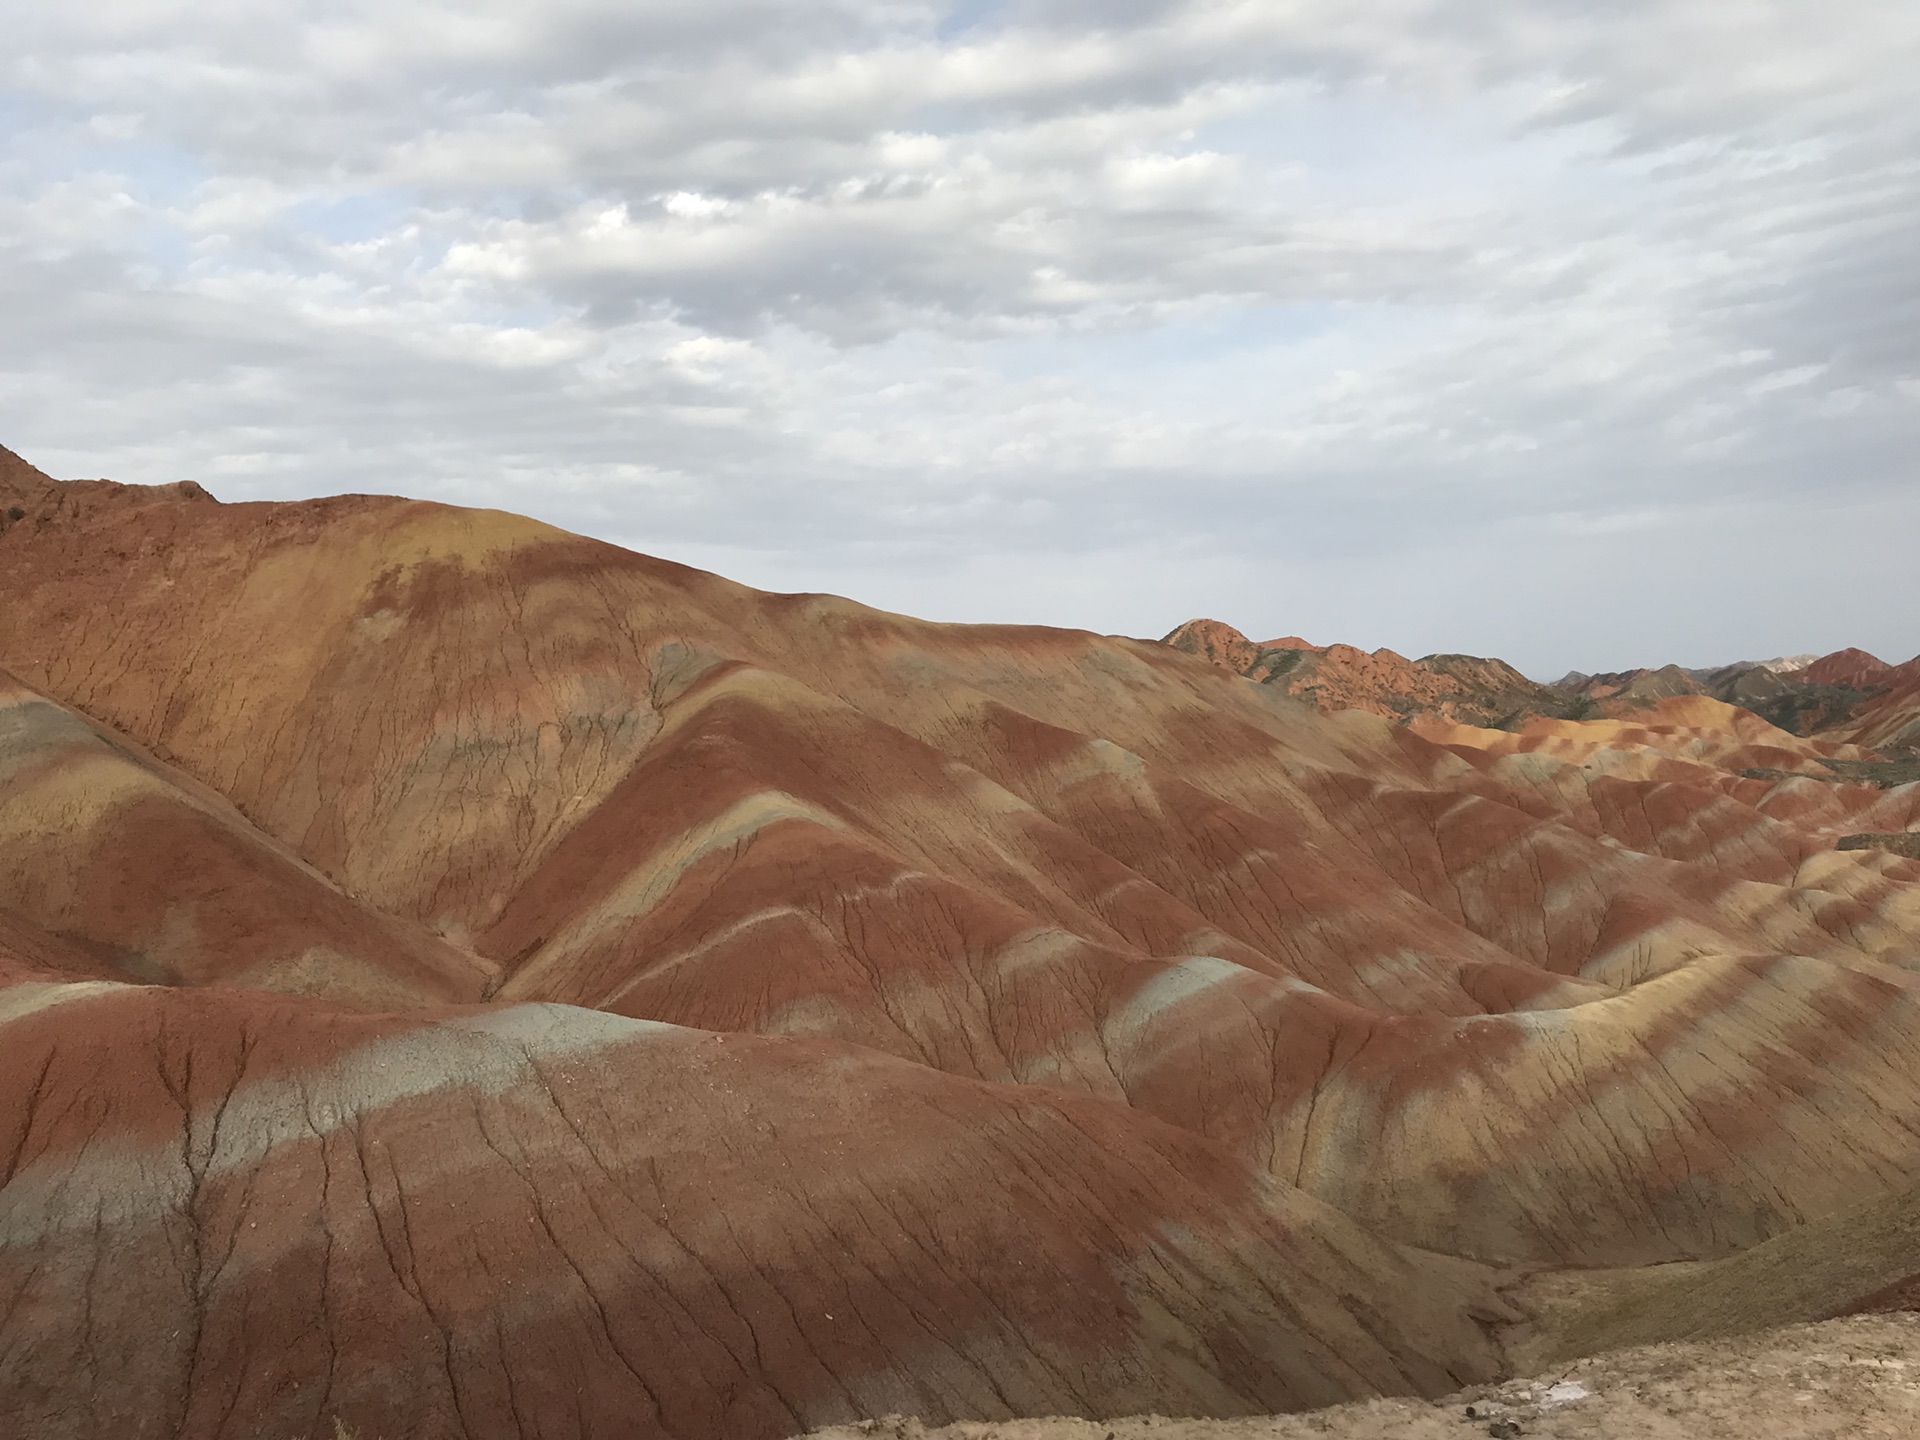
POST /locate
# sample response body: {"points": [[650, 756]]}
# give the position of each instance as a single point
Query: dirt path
{"points": [[1857, 1378]]}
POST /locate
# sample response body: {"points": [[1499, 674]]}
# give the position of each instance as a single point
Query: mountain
{"points": [[1854, 669], [1889, 718], [1805, 694], [1835, 695], [1341, 677], [463, 979]]}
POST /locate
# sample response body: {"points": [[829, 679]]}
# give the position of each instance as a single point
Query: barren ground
{"points": [[1857, 1378]]}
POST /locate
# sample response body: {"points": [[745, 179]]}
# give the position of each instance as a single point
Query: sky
{"points": [[1583, 334]]}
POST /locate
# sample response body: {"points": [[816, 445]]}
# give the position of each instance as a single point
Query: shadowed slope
{"points": [[1863, 1259]]}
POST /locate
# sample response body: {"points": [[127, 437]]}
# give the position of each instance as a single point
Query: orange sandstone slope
{"points": [[724, 1013]]}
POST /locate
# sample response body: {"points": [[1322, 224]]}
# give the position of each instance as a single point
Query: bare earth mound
{"points": [[459, 979]]}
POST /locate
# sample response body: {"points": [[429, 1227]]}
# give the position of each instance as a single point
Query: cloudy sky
{"points": [[1585, 334]]}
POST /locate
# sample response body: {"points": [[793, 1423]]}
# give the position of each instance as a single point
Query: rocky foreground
{"points": [[459, 979], [1856, 1378]]}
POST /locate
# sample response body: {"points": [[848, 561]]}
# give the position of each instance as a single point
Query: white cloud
{"points": [[877, 293]]}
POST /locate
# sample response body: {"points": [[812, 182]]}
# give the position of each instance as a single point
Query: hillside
{"points": [[1847, 696], [1844, 1377], [1340, 677], [464, 979]]}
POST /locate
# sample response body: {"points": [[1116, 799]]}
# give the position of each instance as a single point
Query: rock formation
{"points": [[1846, 695], [462, 979], [1340, 677]]}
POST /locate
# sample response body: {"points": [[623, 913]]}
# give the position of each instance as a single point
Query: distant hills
{"points": [[1848, 696]]}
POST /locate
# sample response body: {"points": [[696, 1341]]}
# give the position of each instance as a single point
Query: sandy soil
{"points": [[1858, 1378]]}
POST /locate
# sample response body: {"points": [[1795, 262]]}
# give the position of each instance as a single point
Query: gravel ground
{"points": [[1857, 1378]]}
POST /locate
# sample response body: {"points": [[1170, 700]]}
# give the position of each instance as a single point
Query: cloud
{"points": [[891, 297]]}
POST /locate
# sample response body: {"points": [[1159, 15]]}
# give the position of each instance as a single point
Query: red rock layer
{"points": [[1855, 669], [1844, 696], [1095, 1027], [1340, 677], [1221, 644], [159, 879], [1890, 722], [227, 1214]]}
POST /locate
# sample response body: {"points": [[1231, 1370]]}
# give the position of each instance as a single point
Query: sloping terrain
{"points": [[1467, 688], [161, 880], [1851, 1378], [1846, 695], [467, 979], [1891, 721]]}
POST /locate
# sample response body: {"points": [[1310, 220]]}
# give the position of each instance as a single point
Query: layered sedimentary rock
{"points": [[1890, 721], [1848, 694], [1804, 694], [1468, 688], [160, 879], [721, 1013], [228, 1214]]}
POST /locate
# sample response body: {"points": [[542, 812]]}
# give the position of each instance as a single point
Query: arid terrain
{"points": [[1843, 1378], [1849, 693], [461, 979]]}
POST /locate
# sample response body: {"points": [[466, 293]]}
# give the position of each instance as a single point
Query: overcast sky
{"points": [[1584, 334]]}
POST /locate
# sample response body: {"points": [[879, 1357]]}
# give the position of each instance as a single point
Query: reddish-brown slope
{"points": [[1853, 668], [1220, 644], [21, 485], [1890, 722], [160, 880], [641, 787], [1340, 677], [1821, 694], [269, 1219], [1583, 993], [1843, 694], [40, 500]]}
